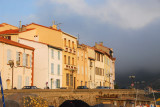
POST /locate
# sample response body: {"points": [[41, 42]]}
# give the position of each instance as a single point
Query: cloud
{"points": [[123, 13]]}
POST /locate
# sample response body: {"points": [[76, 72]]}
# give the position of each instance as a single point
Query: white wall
{"points": [[40, 62], [6, 71], [55, 61]]}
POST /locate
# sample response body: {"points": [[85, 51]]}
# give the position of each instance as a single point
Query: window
{"points": [[58, 55], [52, 68], [57, 83], [98, 56], [19, 82], [27, 60], [30, 60], [18, 58], [69, 43], [8, 55], [67, 79], [78, 69], [86, 83], [82, 70], [68, 60], [73, 45], [65, 42], [102, 58], [27, 81], [52, 53], [86, 71], [58, 69], [24, 59], [72, 61], [71, 79], [65, 60]]}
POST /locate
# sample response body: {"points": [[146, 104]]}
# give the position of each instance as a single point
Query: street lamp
{"points": [[11, 63], [132, 78]]}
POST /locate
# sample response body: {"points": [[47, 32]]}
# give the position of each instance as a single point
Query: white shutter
{"points": [[19, 82], [30, 60], [24, 59], [8, 55]]}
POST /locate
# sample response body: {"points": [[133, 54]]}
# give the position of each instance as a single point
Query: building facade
{"points": [[82, 66], [48, 64], [69, 61], [16, 64]]}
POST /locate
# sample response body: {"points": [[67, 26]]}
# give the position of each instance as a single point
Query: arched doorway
{"points": [[8, 81]]}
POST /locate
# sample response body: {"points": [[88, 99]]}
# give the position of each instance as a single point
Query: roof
{"points": [[69, 35], [13, 31], [2, 24], [10, 42], [42, 43], [44, 27]]}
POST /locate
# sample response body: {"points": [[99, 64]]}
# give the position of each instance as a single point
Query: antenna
{"points": [[58, 25], [78, 38]]}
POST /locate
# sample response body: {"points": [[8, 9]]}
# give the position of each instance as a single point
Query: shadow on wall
{"points": [[9, 103], [74, 103]]}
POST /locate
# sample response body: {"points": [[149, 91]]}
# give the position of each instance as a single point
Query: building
{"points": [[105, 56], [82, 66], [16, 64], [48, 64], [5, 26], [69, 61]]}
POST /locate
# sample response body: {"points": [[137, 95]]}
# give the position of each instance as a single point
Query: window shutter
{"points": [[8, 55], [24, 59], [19, 82], [52, 53], [17, 56], [58, 55], [58, 69], [52, 68], [30, 60]]}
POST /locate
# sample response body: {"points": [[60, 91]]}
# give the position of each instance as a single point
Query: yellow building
{"points": [[5, 26], [82, 66], [69, 61]]}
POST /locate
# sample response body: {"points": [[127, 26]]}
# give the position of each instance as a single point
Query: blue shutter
{"points": [[52, 53], [52, 68], [8, 55], [58, 55]]}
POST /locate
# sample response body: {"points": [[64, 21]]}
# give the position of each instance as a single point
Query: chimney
{"points": [[23, 28], [101, 43], [54, 26]]}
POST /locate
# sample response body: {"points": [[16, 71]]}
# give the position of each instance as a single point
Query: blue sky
{"points": [[131, 28]]}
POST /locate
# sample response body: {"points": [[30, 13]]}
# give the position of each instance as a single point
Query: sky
{"points": [[130, 27]]}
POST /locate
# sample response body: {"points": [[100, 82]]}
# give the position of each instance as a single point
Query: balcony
{"points": [[66, 49]]}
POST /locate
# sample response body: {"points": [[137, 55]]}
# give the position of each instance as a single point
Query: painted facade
{"points": [[82, 66], [48, 64], [69, 61], [5, 26], [23, 68], [109, 64]]}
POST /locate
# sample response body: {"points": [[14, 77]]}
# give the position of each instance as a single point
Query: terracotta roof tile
{"points": [[41, 43], [13, 31], [44, 27], [15, 43]]}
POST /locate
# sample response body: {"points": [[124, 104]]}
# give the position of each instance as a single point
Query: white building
{"points": [[48, 64], [22, 57]]}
